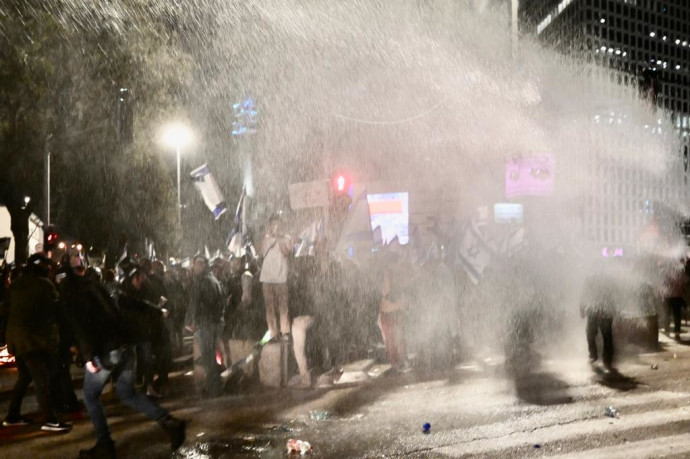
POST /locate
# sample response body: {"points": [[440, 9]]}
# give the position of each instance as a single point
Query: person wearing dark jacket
{"points": [[105, 329], [207, 316], [600, 296], [161, 344], [32, 337], [152, 345], [68, 280]]}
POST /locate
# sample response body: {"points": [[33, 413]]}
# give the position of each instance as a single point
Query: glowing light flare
{"points": [[5, 357], [177, 135], [341, 183]]}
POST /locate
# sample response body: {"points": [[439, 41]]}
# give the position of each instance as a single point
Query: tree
{"points": [[64, 72], [26, 69]]}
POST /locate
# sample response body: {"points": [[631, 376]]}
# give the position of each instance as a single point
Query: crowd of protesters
{"points": [[128, 325], [50, 312]]}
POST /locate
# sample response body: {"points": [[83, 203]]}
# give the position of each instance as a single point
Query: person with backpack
{"points": [[106, 328]]}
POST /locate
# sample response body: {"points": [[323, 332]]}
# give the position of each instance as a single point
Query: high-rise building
{"points": [[647, 43], [646, 39]]}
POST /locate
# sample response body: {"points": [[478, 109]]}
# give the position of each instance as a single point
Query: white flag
{"points": [[239, 237], [308, 239], [210, 192], [475, 252], [357, 233], [513, 242]]}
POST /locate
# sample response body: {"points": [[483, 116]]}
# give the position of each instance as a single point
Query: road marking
{"points": [[656, 447], [507, 437]]}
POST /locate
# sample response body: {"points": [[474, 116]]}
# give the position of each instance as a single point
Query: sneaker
{"points": [[405, 367], [56, 427], [175, 428], [20, 421], [102, 450], [152, 392]]}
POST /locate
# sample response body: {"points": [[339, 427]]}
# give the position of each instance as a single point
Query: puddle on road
{"points": [[245, 447], [269, 444]]}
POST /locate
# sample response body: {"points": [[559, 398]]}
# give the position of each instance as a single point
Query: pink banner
{"points": [[530, 176]]}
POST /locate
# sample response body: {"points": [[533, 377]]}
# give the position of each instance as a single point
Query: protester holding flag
{"points": [[275, 249]]}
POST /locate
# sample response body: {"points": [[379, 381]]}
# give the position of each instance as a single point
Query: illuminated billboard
{"points": [[390, 212], [508, 213], [530, 176]]}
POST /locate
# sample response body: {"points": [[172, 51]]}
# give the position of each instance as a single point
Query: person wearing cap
{"points": [[107, 328], [32, 337], [276, 247], [207, 315]]}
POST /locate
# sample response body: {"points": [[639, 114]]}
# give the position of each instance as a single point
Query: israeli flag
{"points": [[475, 252], [210, 192], [239, 238], [308, 239]]}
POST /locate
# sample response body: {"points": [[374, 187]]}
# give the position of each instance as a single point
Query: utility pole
{"points": [[46, 183], [515, 29]]}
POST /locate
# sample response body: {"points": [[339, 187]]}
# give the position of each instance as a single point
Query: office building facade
{"points": [[646, 43]]}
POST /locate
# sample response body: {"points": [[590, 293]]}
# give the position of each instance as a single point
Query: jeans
{"points": [[63, 391], [34, 366], [676, 306], [208, 336], [144, 367], [600, 321], [122, 373]]}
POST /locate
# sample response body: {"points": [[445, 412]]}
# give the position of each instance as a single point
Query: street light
{"points": [[177, 136]]}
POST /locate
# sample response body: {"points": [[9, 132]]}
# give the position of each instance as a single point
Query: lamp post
{"points": [[515, 27], [177, 136]]}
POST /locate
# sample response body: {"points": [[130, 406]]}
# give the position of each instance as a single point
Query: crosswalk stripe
{"points": [[653, 448], [508, 438]]}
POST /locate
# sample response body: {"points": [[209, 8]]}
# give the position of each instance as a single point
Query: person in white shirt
{"points": [[275, 250]]}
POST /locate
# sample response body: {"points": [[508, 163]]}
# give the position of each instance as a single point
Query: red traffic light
{"points": [[341, 183], [50, 238]]}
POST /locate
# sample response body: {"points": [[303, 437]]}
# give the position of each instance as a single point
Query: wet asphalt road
{"points": [[475, 410]]}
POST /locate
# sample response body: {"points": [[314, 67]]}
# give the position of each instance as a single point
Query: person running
{"points": [[105, 329]]}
